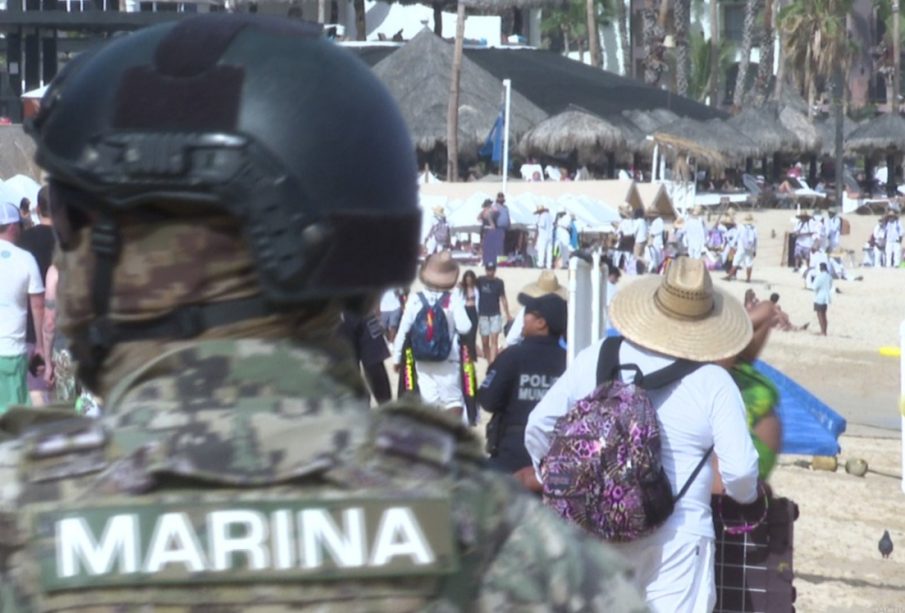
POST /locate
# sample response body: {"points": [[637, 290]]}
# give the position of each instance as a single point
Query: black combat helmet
{"points": [[261, 118]]}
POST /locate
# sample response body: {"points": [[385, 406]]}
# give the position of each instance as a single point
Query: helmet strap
{"points": [[179, 324], [105, 244]]}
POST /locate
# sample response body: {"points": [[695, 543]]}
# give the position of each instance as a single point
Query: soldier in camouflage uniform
{"points": [[199, 173]]}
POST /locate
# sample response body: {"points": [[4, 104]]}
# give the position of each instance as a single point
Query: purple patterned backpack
{"points": [[603, 470]]}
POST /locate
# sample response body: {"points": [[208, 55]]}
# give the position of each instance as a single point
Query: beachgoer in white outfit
{"points": [[674, 564], [893, 251], [544, 240], [695, 235]]}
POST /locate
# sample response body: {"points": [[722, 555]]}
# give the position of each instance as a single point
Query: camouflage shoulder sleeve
{"points": [[10, 538], [547, 563]]}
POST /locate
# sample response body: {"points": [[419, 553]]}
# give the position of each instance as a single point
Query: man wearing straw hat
{"points": [[678, 315], [745, 249], [806, 232], [438, 239], [438, 381]]}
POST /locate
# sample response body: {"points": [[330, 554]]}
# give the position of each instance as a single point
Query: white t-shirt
{"points": [[20, 278], [656, 232], [640, 231], [703, 409], [389, 301]]}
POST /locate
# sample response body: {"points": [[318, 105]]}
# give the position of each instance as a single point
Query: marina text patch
{"points": [[226, 542]]}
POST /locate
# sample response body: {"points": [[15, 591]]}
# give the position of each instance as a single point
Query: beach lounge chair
{"points": [[854, 201], [763, 199]]}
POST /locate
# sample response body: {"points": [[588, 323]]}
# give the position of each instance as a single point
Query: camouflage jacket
{"points": [[251, 476]]}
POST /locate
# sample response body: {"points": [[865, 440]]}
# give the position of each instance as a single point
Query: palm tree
{"points": [[361, 29], [593, 37], [622, 18], [570, 22], [815, 42], [765, 68], [681, 26], [714, 51], [701, 52], [885, 51], [653, 24], [751, 9]]}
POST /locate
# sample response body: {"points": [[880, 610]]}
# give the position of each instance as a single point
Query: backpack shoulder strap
{"points": [[608, 359], [423, 300], [694, 474], [674, 372]]}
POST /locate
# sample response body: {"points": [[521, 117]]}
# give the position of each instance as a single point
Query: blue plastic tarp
{"points": [[809, 425]]}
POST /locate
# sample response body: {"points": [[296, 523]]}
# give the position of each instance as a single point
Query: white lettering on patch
{"points": [[320, 532], [75, 543], [252, 542], [174, 542], [400, 535]]}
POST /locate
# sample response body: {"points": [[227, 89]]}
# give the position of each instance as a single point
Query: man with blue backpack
{"points": [[623, 443], [433, 319]]}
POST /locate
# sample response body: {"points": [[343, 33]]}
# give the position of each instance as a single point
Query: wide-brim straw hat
{"points": [[438, 210], [749, 218], [547, 283], [439, 271], [682, 315], [698, 210], [539, 208], [679, 223]]}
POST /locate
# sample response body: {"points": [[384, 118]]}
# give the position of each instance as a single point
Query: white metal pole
{"points": [[655, 164], [902, 396], [507, 85]]}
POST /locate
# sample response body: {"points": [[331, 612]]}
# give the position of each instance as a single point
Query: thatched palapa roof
{"points": [[709, 136], [574, 130], [827, 130], [880, 134], [692, 138], [763, 127], [418, 75], [735, 144], [635, 138], [650, 121], [797, 123]]}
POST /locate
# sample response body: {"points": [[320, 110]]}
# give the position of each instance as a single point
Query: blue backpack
{"points": [[431, 341]]}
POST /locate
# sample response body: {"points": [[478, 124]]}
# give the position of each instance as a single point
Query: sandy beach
{"points": [[837, 564]]}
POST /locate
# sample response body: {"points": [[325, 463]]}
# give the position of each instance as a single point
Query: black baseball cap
{"points": [[551, 307]]}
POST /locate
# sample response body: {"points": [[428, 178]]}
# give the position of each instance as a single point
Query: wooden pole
{"points": [[593, 37], [452, 111], [896, 55]]}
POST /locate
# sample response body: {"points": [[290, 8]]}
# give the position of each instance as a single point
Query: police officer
{"points": [[209, 242], [519, 378]]}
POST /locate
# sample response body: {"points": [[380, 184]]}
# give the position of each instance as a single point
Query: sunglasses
{"points": [[71, 210]]}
